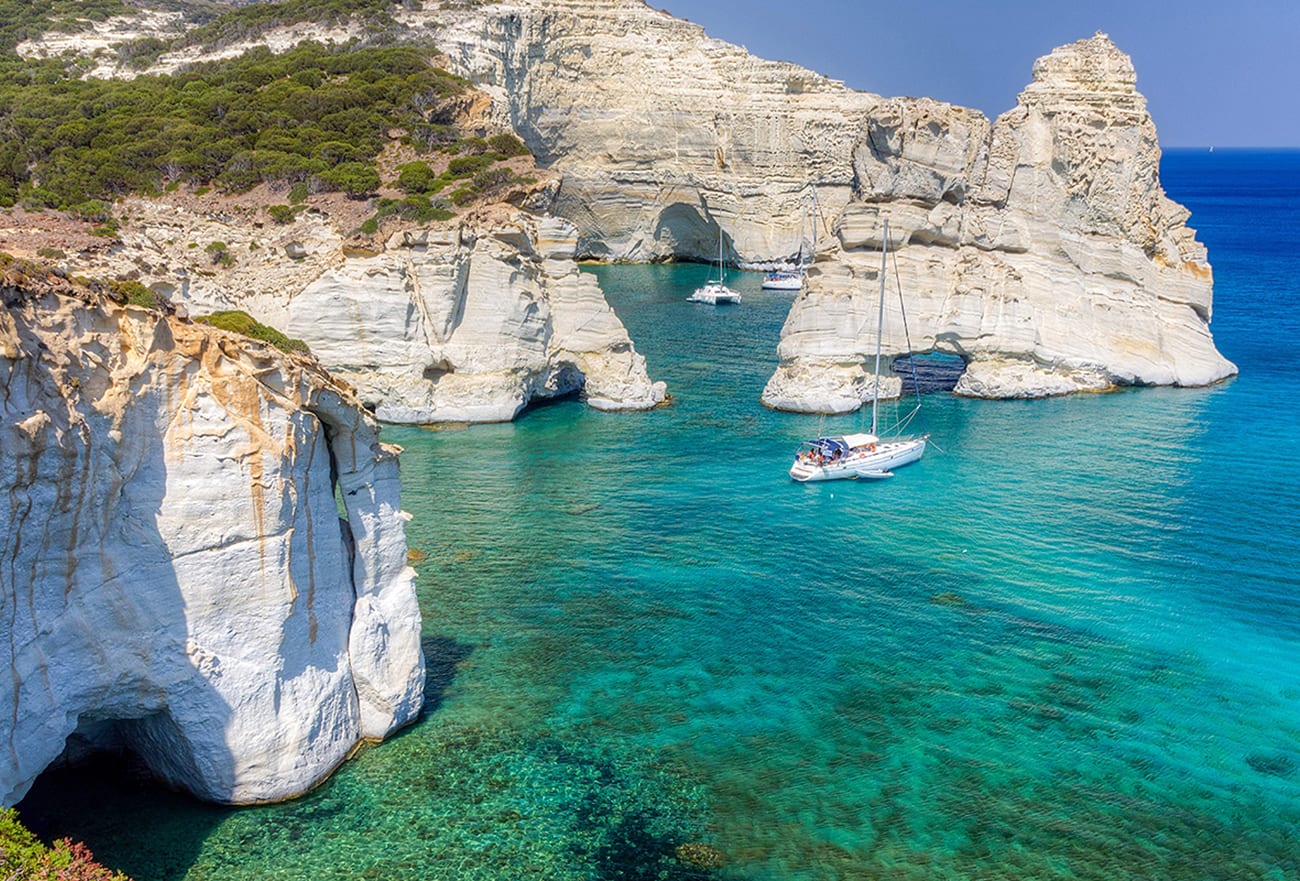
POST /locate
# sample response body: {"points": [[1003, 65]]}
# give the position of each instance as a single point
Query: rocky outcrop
{"points": [[1041, 249], [465, 325], [662, 134], [464, 322], [202, 553]]}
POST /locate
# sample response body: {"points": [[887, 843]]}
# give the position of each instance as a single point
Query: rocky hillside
{"points": [[1039, 248], [203, 551], [405, 249]]}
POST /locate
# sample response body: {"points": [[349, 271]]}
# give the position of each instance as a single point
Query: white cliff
{"points": [[662, 134], [175, 573], [465, 322], [460, 325], [1040, 248]]}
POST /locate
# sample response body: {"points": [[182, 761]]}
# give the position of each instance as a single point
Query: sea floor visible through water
{"points": [[1066, 644]]}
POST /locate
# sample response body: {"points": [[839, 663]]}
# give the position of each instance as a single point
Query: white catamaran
{"points": [[715, 291], [853, 456]]}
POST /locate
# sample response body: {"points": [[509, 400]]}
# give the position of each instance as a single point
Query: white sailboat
{"points": [[788, 279], [715, 291], [792, 279], [853, 456]]}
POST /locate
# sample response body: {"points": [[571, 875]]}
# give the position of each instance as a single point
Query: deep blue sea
{"points": [[1066, 644]]}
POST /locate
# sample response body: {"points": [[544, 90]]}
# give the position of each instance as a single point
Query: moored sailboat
{"points": [[865, 455], [715, 291], [792, 279]]}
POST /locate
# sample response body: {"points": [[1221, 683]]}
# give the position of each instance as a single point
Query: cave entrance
{"points": [[690, 237], [935, 371], [110, 800]]}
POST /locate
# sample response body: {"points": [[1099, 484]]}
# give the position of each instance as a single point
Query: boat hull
{"points": [[783, 282], [714, 294], [887, 456]]}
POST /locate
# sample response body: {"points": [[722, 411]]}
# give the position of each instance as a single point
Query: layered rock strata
{"points": [[202, 553], [1040, 248], [663, 135], [463, 322], [464, 325]]}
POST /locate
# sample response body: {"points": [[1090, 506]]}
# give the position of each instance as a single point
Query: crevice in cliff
{"points": [[935, 371]]}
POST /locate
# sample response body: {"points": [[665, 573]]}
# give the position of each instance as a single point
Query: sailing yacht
{"points": [[792, 279], [715, 291], [866, 455]]}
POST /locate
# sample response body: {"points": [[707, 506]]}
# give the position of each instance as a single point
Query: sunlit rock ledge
{"points": [[463, 322], [1039, 248], [178, 580]]}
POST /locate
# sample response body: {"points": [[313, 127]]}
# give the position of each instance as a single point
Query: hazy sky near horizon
{"points": [[1213, 72]]}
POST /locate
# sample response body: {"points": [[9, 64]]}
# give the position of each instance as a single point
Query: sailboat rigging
{"points": [[863, 455], [792, 279], [715, 291]]}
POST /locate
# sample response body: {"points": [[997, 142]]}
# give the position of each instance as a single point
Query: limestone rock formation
{"points": [[1041, 249], [662, 134], [175, 573], [461, 323]]}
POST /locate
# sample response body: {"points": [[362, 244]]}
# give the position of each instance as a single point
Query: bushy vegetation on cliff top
{"points": [[312, 113], [316, 116]]}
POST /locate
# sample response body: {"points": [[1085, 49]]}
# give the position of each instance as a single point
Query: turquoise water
{"points": [[1066, 644]]}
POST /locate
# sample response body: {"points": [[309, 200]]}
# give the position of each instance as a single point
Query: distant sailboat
{"points": [[851, 456], [716, 291], [792, 279]]}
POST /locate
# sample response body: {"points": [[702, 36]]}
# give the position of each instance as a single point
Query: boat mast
{"points": [[722, 272], [880, 324]]}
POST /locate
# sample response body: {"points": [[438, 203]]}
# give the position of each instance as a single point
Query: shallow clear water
{"points": [[1066, 644]]}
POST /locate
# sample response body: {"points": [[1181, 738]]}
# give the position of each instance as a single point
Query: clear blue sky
{"points": [[1217, 73]]}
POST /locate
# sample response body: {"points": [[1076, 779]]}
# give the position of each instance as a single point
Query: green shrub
{"points": [[220, 254], [50, 253], [465, 166], [23, 856], [94, 211], [136, 294], [237, 321], [416, 207], [507, 145], [283, 213], [416, 177], [473, 146], [357, 179], [298, 193]]}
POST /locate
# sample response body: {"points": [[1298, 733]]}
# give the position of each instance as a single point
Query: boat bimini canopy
{"points": [[831, 445]]}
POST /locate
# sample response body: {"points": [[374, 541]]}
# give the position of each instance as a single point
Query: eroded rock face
{"points": [[663, 135], [463, 323], [175, 574], [1041, 249], [469, 326]]}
